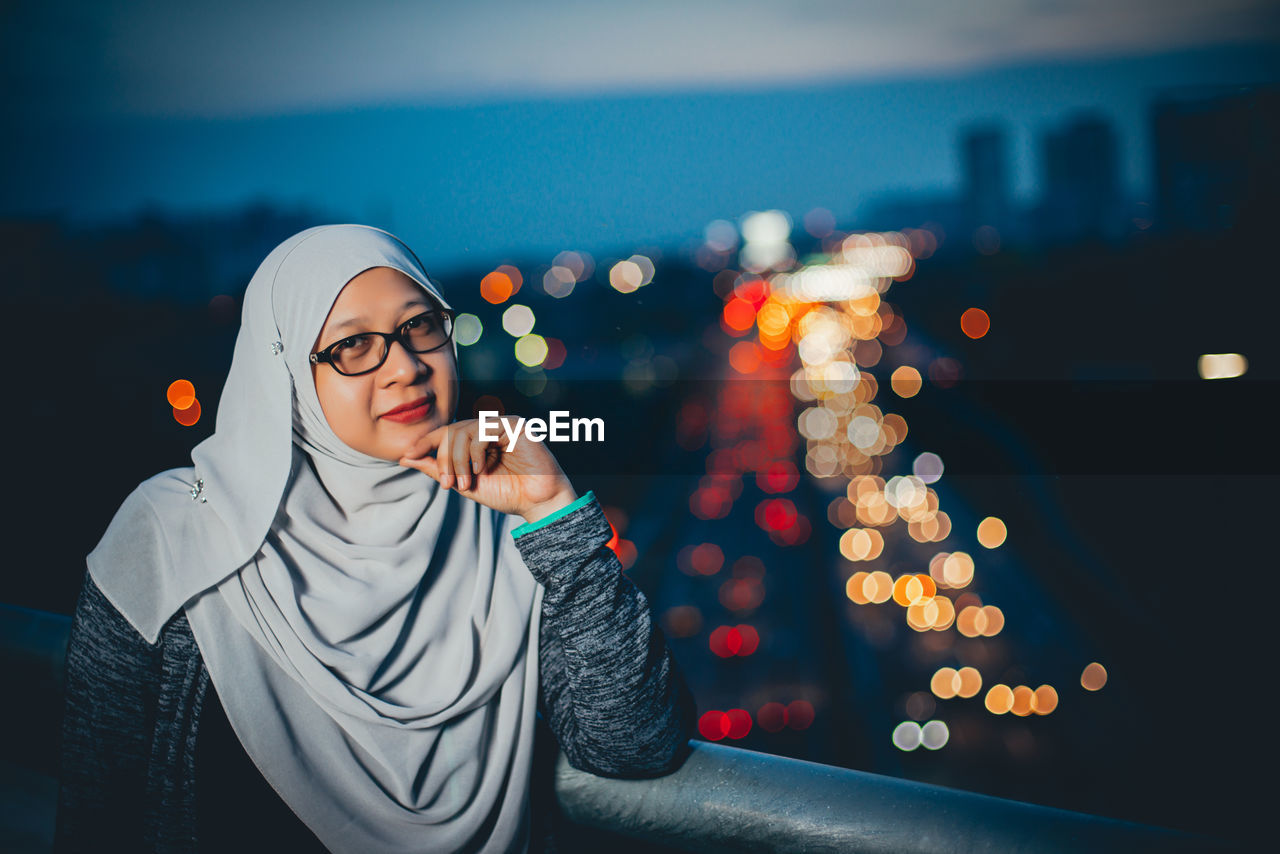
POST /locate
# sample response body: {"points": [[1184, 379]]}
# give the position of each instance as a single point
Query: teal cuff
{"points": [[530, 527]]}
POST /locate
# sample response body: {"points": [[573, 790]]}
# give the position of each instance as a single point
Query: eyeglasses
{"points": [[365, 352]]}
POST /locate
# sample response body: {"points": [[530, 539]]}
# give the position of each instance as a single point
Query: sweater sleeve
{"points": [[112, 680], [611, 690]]}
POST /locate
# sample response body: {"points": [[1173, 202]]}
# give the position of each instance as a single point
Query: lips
{"points": [[410, 411]]}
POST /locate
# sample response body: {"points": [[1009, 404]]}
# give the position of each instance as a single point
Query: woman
{"points": [[334, 628]]}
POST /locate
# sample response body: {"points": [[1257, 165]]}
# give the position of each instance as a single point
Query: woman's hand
{"points": [[526, 481]]}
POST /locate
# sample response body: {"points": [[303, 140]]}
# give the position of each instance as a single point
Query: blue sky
{"points": [[493, 128]]}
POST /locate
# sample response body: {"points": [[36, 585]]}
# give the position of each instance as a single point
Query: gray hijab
{"points": [[373, 638]]}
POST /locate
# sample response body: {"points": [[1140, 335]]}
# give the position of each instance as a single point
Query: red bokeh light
{"points": [[189, 416], [776, 514], [739, 315], [799, 714], [750, 639], [975, 322], [719, 642], [739, 723], [706, 559], [772, 717], [781, 476], [556, 353], [714, 725], [751, 290]]}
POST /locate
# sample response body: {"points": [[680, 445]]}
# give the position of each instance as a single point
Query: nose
{"points": [[402, 365]]}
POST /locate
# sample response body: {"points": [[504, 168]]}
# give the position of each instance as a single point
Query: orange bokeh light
{"points": [[945, 683], [946, 613], [189, 416], [992, 532], [999, 699], [906, 381], [1023, 698], [1093, 677], [1045, 700], [878, 586], [971, 621], [994, 620], [900, 592], [853, 588], [745, 357], [975, 323], [180, 394], [739, 314], [497, 287]]}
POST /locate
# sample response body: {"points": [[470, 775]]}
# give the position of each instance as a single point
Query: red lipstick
{"points": [[408, 413]]}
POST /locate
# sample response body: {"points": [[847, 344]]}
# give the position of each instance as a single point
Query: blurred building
{"points": [[1215, 154], [1081, 197], [986, 177]]}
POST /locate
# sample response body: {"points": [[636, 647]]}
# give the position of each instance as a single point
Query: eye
{"points": [[351, 345], [426, 321]]}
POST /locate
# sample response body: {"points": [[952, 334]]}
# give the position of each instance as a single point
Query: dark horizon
{"points": [[532, 177]]}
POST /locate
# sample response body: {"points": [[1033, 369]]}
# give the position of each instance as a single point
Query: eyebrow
{"points": [[362, 321]]}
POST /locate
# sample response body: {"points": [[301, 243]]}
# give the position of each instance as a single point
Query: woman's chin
{"points": [[408, 437]]}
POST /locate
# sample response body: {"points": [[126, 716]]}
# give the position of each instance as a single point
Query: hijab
{"points": [[373, 638]]}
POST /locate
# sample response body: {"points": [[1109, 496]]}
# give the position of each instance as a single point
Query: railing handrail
{"points": [[730, 799]]}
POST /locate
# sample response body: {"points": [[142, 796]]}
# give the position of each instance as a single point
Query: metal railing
{"points": [[721, 798]]}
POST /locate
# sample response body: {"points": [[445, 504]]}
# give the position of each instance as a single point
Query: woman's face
{"points": [[357, 408]]}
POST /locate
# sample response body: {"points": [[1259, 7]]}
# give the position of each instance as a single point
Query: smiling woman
{"points": [[348, 639], [379, 397]]}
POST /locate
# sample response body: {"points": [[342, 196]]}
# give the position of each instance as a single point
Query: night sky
{"points": [[490, 131]]}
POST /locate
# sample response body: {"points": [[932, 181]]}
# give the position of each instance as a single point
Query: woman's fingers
{"points": [[459, 452], [426, 465], [428, 443], [479, 455]]}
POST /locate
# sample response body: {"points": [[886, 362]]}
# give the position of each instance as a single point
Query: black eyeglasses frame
{"points": [[401, 334]]}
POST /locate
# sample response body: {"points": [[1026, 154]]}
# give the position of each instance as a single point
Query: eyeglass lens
{"points": [[365, 352]]}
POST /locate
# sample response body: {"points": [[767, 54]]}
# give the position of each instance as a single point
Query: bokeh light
{"points": [[556, 353], [928, 467], [497, 287], [991, 532], [1045, 700], [1093, 677], [907, 735], [906, 381], [180, 394], [878, 587], [559, 281], [1221, 366], [1023, 698], [934, 735], [531, 350], [974, 322], [945, 683], [799, 714], [517, 321], [853, 588], [920, 705], [970, 682], [189, 416], [467, 329], [739, 723], [721, 235], [682, 621], [999, 699], [957, 569], [772, 717], [714, 725], [626, 277]]}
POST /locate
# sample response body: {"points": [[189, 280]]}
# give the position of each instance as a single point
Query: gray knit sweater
{"points": [[138, 774]]}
